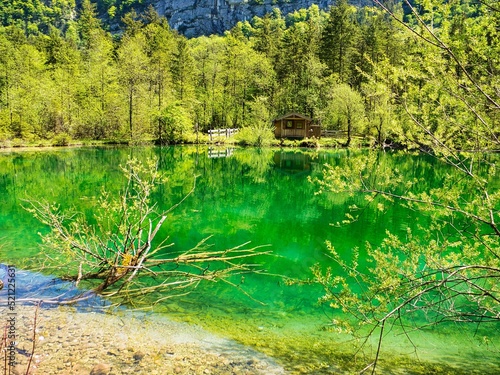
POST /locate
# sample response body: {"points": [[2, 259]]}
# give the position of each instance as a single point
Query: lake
{"points": [[261, 196]]}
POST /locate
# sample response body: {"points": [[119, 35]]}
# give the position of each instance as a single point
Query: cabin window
{"points": [[289, 124], [300, 124]]}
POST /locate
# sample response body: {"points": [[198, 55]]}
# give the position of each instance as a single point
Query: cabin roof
{"points": [[293, 115]]}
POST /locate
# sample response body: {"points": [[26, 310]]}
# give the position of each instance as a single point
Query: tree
{"points": [[64, 63], [7, 81], [377, 41], [37, 16], [160, 45], [338, 39], [379, 111], [229, 75], [346, 110], [259, 132], [245, 75], [268, 33], [24, 84], [132, 67], [88, 23], [175, 122], [98, 99], [299, 70], [120, 255], [207, 54], [182, 69]]}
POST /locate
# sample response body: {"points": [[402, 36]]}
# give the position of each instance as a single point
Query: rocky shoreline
{"points": [[103, 343]]}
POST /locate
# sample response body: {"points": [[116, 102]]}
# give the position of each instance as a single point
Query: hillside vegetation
{"points": [[63, 76]]}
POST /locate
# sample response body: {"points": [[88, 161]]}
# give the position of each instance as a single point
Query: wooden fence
{"points": [[213, 133]]}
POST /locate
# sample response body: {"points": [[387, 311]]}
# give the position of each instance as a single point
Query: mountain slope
{"points": [[190, 17], [197, 17]]}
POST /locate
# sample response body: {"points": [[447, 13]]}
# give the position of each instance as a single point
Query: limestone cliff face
{"points": [[204, 17]]}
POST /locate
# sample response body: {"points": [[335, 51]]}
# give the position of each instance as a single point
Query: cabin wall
{"points": [[295, 128]]}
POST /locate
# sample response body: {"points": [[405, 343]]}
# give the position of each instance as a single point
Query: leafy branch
{"points": [[450, 272]]}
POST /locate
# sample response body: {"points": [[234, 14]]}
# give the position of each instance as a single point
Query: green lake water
{"points": [[265, 197]]}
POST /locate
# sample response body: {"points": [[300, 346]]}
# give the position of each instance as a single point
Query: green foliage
{"points": [[255, 136], [176, 124], [378, 109], [182, 69], [76, 78], [338, 39], [36, 17], [405, 270], [61, 139], [446, 273], [345, 111], [259, 133], [449, 272]]}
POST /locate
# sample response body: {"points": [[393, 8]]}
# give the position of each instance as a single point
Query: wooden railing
{"points": [[221, 133]]}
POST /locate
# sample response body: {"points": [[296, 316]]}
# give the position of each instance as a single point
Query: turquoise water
{"points": [[261, 196]]}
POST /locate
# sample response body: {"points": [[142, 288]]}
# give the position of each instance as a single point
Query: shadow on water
{"points": [[34, 287]]}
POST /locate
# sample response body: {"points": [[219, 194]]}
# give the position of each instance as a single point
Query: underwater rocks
{"points": [[90, 343], [101, 369]]}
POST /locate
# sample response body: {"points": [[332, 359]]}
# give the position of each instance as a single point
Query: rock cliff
{"points": [[204, 17]]}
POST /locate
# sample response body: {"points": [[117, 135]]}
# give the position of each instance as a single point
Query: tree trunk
{"points": [[131, 111]]}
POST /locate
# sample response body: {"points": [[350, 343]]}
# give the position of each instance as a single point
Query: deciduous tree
{"points": [[346, 111], [132, 66]]}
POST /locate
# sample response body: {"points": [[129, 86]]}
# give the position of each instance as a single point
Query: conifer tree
{"points": [[338, 39]]}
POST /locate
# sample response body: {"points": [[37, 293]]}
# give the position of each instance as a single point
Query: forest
{"points": [[391, 74]]}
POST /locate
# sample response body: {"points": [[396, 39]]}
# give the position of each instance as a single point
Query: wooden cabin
{"points": [[295, 125]]}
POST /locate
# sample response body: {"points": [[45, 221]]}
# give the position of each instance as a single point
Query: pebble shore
{"points": [[68, 342]]}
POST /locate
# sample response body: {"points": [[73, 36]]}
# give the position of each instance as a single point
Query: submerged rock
{"points": [[78, 343], [138, 356], [101, 369]]}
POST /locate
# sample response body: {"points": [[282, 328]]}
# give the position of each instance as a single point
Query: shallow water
{"points": [[31, 287], [262, 196]]}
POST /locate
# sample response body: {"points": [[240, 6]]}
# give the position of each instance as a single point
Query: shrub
{"points": [[61, 139]]}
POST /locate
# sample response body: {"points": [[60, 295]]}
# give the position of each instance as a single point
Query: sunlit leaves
{"points": [[345, 110], [447, 270], [175, 122]]}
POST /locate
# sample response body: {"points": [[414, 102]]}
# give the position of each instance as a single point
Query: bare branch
{"points": [[120, 256]]}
